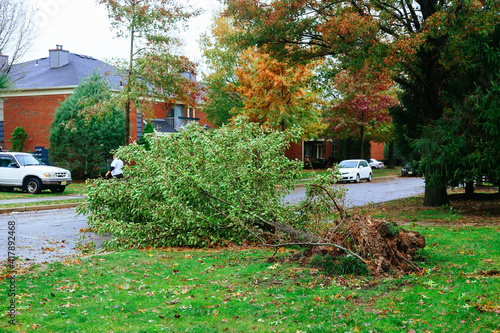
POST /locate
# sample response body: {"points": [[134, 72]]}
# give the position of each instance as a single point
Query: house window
{"points": [[318, 150], [313, 150]]}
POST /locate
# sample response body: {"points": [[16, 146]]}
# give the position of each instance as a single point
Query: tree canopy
{"points": [[362, 111], [82, 142], [155, 70], [249, 82], [222, 59], [424, 46]]}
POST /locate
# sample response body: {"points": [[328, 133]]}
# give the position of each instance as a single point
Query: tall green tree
{"points": [[222, 60], [420, 43], [155, 70], [80, 141]]}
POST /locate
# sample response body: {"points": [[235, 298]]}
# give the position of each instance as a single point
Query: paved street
{"points": [[52, 234], [46, 235], [363, 193]]}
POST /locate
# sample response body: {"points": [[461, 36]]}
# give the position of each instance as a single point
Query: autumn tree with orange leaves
{"points": [[277, 94]]}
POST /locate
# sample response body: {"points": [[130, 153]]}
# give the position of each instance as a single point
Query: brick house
{"points": [[41, 85]]}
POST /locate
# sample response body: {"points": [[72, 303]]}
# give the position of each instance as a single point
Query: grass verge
{"points": [[484, 209], [238, 290], [77, 188], [40, 203]]}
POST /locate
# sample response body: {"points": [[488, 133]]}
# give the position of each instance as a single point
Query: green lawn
{"points": [[238, 290], [76, 188]]}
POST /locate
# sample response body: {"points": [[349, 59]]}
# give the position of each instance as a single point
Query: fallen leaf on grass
{"points": [[67, 305]]}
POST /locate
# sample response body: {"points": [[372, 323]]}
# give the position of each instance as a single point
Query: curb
{"points": [[39, 207]]}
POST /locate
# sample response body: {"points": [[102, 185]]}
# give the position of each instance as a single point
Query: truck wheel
{"points": [[33, 186], [58, 189]]}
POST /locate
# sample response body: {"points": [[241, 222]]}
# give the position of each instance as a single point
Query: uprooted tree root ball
{"points": [[383, 246]]}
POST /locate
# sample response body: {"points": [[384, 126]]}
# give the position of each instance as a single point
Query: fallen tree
{"points": [[204, 188]]}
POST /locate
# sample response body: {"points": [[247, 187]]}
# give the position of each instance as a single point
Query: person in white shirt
{"points": [[116, 168]]}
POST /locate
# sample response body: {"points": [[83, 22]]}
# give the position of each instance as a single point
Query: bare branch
{"points": [[319, 244]]}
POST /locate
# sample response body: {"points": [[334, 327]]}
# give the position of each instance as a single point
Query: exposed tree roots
{"points": [[383, 246]]}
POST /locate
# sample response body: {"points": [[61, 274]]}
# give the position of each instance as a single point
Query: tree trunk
{"points": [[391, 155], [348, 148], [127, 122], [130, 80], [469, 188], [435, 196], [362, 140]]}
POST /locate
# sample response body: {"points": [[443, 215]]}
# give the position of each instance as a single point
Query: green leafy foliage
{"points": [[79, 141], [148, 129], [18, 138], [4, 81], [393, 228], [222, 61], [199, 188]]}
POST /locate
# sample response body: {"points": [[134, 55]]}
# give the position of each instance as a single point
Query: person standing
{"points": [[116, 168]]}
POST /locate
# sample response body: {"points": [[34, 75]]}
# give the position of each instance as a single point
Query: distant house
{"points": [[41, 85]]}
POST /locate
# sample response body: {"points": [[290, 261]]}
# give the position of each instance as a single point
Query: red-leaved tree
{"points": [[362, 109]]}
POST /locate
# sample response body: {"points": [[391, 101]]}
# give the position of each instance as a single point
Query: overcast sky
{"points": [[82, 26]]}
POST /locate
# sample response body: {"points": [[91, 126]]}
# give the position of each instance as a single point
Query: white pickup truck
{"points": [[25, 171]]}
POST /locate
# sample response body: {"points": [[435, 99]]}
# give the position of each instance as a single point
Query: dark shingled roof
{"points": [[38, 74]]}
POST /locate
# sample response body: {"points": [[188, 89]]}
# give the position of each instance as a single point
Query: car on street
{"points": [[355, 171], [376, 164], [25, 171], [409, 170]]}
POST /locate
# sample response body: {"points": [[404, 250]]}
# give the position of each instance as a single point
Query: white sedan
{"points": [[354, 170], [376, 164]]}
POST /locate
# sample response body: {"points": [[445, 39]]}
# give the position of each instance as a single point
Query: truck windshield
{"points": [[26, 159]]}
